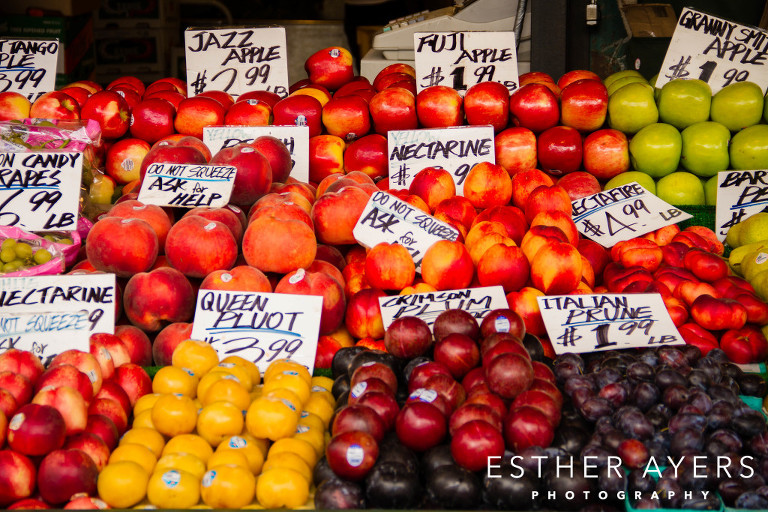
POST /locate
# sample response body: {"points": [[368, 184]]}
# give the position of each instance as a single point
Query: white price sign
{"points": [[295, 138], [623, 213], [40, 191], [236, 60], [462, 59], [47, 315], [428, 305], [716, 51], [590, 323], [260, 327], [388, 219], [28, 66], [455, 149], [740, 194], [187, 185]]}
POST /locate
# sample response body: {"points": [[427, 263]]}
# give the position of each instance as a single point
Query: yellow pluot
{"points": [[122, 484], [198, 356], [173, 415], [182, 461], [249, 447], [149, 437], [218, 421], [173, 489], [281, 487], [189, 443], [270, 417], [228, 486]]}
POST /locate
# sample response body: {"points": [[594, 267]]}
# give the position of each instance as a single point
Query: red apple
{"points": [[299, 110], [330, 67], [152, 119], [534, 106], [487, 103], [579, 184], [55, 105], [584, 104], [439, 106], [393, 108], [13, 106], [347, 117], [559, 150], [110, 110], [277, 154], [195, 113]]}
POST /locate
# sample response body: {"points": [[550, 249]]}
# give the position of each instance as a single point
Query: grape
{"points": [[8, 243], [42, 256], [7, 254], [23, 250]]}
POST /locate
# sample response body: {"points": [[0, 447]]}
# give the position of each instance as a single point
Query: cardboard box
{"points": [[62, 7], [650, 20], [138, 13]]}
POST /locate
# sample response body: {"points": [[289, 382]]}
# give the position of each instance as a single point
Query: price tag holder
{"points": [[28, 66], [260, 327], [740, 194], [40, 191], [623, 213], [428, 306], [295, 138], [462, 59], [455, 149], [388, 219], [236, 60], [187, 186], [47, 315], [715, 50], [590, 323]]}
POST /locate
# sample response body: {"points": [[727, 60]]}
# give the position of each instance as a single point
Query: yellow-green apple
{"points": [[505, 266], [254, 174], [606, 153], [22, 362], [171, 96], [447, 265], [222, 97], [195, 113], [302, 282], [154, 215], [610, 79], [656, 149], [584, 104], [458, 208], [326, 156], [559, 150], [393, 108], [248, 113], [705, 148], [272, 244], [433, 185], [515, 149], [239, 278], [580, 184], [223, 215], [439, 106], [152, 119], [347, 117], [299, 110], [69, 402], [268, 97], [17, 477], [511, 217], [632, 107], [644, 179], [133, 82], [110, 110], [55, 105], [13, 105], [487, 185], [153, 299], [534, 106], [487, 103], [575, 75], [137, 342], [737, 105], [278, 155], [525, 182], [749, 148], [122, 246], [197, 246], [681, 188], [556, 268], [335, 214], [684, 102], [124, 159], [389, 267], [330, 67], [621, 82], [168, 339], [367, 154]]}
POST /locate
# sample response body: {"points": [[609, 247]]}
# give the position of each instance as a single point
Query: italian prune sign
{"points": [[28, 66], [740, 194]]}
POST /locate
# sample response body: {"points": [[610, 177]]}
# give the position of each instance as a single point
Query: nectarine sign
{"points": [[740, 194], [50, 314], [590, 323], [28, 66]]}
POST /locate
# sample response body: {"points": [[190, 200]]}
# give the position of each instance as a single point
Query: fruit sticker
{"points": [[28, 66], [716, 51]]}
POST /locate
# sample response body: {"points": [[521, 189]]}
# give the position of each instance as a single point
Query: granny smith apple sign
{"points": [[622, 213], [716, 51], [740, 194]]}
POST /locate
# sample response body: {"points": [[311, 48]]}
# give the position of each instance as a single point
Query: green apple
{"points": [[710, 191], [737, 105], [765, 108], [632, 107], [621, 74], [705, 148], [656, 149], [684, 102], [749, 148], [681, 188], [641, 178], [621, 82]]}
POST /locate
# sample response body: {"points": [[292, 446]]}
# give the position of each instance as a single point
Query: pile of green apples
{"points": [[681, 135]]}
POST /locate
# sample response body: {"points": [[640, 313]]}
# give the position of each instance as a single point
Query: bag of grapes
{"points": [[69, 242], [24, 254]]}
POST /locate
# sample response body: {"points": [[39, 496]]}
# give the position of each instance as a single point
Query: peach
{"points": [[556, 268], [121, 246], [335, 214], [197, 246], [538, 236], [433, 185], [525, 182], [368, 154], [167, 340], [272, 244], [447, 265], [503, 265], [559, 219], [488, 185], [482, 229], [332, 255], [412, 199], [301, 282], [326, 156], [152, 299], [587, 272], [240, 278], [419, 287], [389, 267], [363, 315], [154, 215]]}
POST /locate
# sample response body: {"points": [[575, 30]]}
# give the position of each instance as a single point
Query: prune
{"points": [[337, 494], [686, 439], [718, 355], [730, 383], [649, 357], [752, 385], [453, 487], [640, 371], [711, 368], [340, 386], [645, 395], [579, 486], [730, 489], [673, 357], [640, 480], [604, 424], [595, 408], [376, 356], [599, 456], [697, 501], [510, 493], [533, 345], [436, 457], [578, 382], [612, 480], [565, 370], [634, 424], [700, 400], [667, 377], [674, 396], [720, 392], [680, 421], [752, 501], [570, 357], [618, 364], [647, 503], [391, 485], [322, 471], [571, 439], [728, 438], [342, 358], [616, 393], [393, 450], [731, 370], [670, 492], [721, 415], [748, 423], [608, 375], [692, 353], [613, 439], [699, 378], [758, 445], [530, 459]]}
